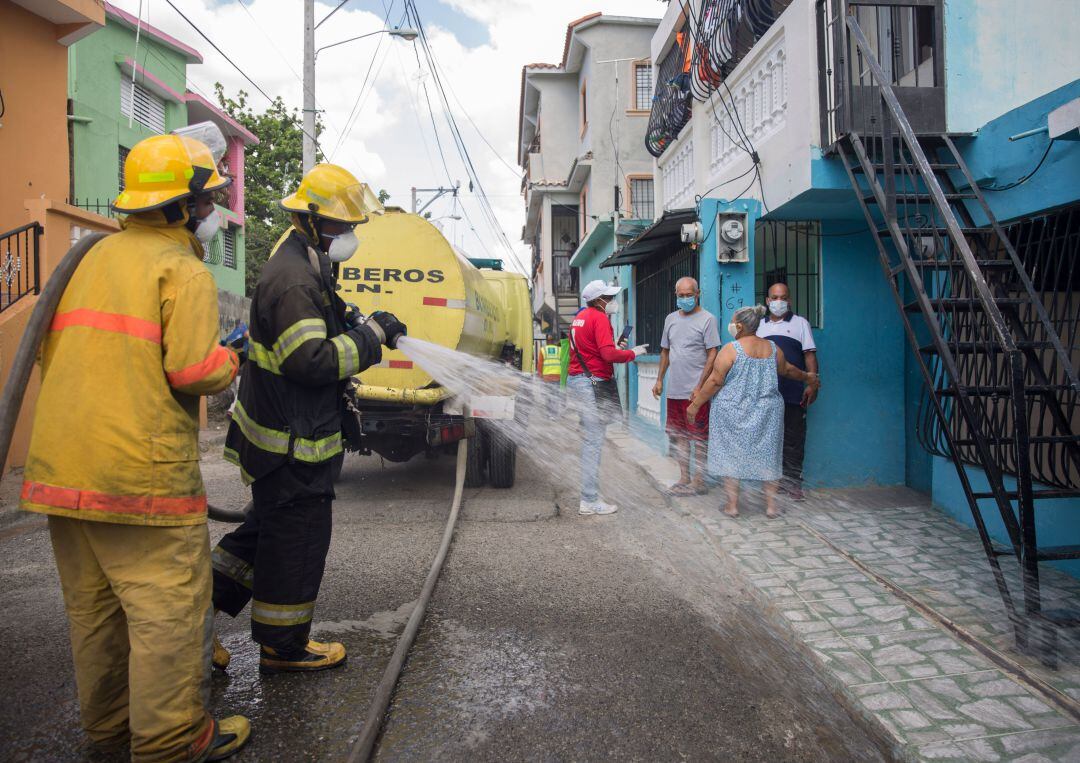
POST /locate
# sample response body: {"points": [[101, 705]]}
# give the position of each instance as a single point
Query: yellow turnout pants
{"points": [[138, 603]]}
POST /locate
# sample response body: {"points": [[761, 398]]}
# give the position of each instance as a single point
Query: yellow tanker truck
{"points": [[405, 266]]}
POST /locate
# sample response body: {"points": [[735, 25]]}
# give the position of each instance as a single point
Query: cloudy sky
{"points": [[480, 46]]}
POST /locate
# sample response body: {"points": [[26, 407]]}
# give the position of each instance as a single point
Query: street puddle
{"points": [[387, 624]]}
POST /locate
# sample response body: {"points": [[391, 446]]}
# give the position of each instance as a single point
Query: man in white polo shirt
{"points": [[791, 333]]}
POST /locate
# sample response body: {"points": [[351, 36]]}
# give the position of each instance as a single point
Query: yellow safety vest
{"points": [[551, 360]]}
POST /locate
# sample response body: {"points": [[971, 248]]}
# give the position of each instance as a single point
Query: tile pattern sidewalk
{"points": [[938, 698]]}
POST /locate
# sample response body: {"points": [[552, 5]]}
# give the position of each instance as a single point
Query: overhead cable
{"points": [[242, 73]]}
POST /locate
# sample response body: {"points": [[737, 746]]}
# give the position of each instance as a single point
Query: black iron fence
{"points": [[19, 264], [654, 283], [101, 207]]}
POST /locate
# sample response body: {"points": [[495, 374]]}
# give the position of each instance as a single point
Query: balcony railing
{"points": [[717, 36], [19, 261], [907, 38]]}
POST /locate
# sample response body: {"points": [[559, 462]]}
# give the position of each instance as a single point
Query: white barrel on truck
{"points": [[404, 265]]}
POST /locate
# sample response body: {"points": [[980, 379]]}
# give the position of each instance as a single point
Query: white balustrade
{"points": [[678, 174], [760, 99], [648, 407]]}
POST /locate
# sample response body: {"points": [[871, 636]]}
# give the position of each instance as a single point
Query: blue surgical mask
{"points": [[686, 304]]}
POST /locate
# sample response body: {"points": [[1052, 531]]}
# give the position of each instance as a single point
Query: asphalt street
{"points": [[550, 636]]}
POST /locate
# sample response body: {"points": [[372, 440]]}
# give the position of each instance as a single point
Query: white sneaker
{"points": [[604, 508], [587, 508]]}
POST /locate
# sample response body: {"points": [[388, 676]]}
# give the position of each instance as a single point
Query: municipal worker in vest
{"points": [[286, 426], [114, 461]]}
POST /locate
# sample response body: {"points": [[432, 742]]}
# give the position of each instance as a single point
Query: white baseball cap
{"points": [[594, 289]]}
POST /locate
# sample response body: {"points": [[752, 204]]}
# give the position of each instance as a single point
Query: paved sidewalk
{"points": [[896, 605]]}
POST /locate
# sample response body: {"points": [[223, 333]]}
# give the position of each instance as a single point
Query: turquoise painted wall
{"points": [[94, 87], [1000, 54], [994, 160], [856, 429], [1057, 523]]}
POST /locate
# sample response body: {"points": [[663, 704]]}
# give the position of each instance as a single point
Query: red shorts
{"points": [[677, 426]]}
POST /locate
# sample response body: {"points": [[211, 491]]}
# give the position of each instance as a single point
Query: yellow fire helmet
{"points": [[166, 168], [333, 193]]}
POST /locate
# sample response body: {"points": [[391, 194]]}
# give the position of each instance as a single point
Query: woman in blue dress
{"points": [[746, 423]]}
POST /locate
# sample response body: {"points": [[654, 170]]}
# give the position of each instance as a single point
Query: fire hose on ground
{"points": [[21, 368]]}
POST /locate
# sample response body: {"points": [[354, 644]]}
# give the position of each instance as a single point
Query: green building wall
{"points": [[98, 129]]}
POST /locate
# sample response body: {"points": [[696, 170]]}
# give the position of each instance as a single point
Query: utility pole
{"points": [[618, 185], [309, 85]]}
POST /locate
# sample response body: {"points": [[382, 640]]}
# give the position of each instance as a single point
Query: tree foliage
{"points": [[272, 170]]}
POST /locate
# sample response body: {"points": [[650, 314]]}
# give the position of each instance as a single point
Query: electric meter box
{"points": [[731, 238]]}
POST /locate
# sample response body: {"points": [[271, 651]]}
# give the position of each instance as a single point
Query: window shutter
{"points": [[228, 241], [147, 108]]}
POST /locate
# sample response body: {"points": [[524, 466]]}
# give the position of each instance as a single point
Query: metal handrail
{"points": [[888, 96], [11, 267]]}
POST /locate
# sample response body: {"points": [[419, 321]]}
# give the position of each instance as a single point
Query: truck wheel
{"points": [[502, 460], [474, 461]]}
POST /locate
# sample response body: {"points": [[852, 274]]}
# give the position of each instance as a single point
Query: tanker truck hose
{"points": [[23, 365], [365, 745]]}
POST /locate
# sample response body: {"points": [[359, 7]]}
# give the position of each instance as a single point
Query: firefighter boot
{"points": [[316, 656], [230, 734], [221, 656]]}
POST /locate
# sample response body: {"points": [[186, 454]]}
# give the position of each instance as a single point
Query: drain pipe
{"points": [[40, 318]]}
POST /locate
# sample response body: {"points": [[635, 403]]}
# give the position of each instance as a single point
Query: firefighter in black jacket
{"points": [[286, 426]]}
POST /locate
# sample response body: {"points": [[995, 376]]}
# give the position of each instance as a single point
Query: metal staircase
{"points": [[1002, 393]]}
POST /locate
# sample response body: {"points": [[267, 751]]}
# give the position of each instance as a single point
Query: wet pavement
{"points": [[549, 637]]}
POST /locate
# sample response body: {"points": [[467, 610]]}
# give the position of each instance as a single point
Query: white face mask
{"points": [[342, 246], [778, 307], [612, 307], [733, 329], [207, 227]]}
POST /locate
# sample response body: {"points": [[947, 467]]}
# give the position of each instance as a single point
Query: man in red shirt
{"points": [[591, 383]]}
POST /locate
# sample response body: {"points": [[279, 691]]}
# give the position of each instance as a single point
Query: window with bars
{"points": [[654, 283], [641, 199], [147, 108], [643, 86], [123, 158], [790, 252], [228, 248]]}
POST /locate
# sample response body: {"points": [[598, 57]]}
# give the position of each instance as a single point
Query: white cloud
{"points": [[391, 144]]}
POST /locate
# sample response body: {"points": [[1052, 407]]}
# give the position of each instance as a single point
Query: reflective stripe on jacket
{"points": [[300, 357], [132, 346]]}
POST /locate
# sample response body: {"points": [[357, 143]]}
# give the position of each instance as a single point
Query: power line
{"points": [[242, 73], [285, 60], [349, 122], [455, 132]]}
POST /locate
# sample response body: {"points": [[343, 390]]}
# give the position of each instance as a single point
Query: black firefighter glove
{"points": [[387, 327]]}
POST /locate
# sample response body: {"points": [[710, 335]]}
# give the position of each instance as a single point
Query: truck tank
{"points": [[404, 265]]}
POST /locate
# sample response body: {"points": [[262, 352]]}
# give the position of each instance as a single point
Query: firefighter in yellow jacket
{"points": [[114, 461]]}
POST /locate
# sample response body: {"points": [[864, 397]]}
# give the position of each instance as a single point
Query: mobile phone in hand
{"points": [[626, 333]]}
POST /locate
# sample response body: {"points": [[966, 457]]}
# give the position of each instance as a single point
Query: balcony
{"points": [[745, 78]]}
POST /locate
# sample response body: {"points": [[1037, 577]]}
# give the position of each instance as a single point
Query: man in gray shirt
{"points": [[688, 347]]}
